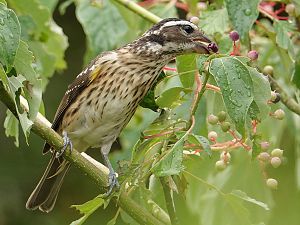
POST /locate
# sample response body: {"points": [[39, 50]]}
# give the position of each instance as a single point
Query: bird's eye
{"points": [[188, 29]]}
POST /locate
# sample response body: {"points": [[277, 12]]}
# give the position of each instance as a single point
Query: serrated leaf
{"points": [[103, 26], [261, 93], [9, 36], [242, 195], [171, 97], [87, 209], [200, 140], [186, 68], [11, 125], [43, 35], [282, 28], [171, 162], [33, 87], [234, 80], [242, 14], [214, 21]]}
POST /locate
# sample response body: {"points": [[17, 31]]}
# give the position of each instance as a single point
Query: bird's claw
{"points": [[112, 182], [67, 142]]}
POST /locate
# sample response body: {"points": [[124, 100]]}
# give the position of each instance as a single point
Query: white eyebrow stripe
{"points": [[180, 23]]}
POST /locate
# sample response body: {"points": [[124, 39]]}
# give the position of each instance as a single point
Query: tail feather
{"points": [[45, 194]]}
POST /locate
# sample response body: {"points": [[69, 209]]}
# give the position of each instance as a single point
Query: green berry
{"points": [[277, 152], [222, 116], [290, 9], [279, 114], [212, 119], [195, 20], [272, 183], [264, 145], [268, 70], [225, 126], [264, 156], [275, 162], [225, 156], [273, 96], [212, 135], [220, 165]]}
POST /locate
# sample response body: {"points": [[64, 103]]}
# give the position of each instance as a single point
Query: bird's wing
{"points": [[74, 89]]}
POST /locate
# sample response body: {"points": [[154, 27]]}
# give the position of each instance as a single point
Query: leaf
{"points": [[43, 35], [242, 195], [87, 209], [15, 84], [114, 219], [261, 93], [11, 125], [9, 36], [282, 28], [215, 21], [200, 140], [186, 68], [171, 162], [33, 87], [97, 23], [233, 78], [242, 14], [171, 97]]}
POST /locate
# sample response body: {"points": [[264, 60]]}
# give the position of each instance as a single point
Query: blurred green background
{"points": [[21, 168]]}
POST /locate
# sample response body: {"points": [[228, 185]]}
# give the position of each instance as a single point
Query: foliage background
{"points": [[21, 167]]}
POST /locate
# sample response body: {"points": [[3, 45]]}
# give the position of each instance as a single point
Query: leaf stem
{"points": [[169, 200], [131, 5]]}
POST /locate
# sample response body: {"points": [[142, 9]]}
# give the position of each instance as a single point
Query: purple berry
{"points": [[253, 55], [213, 47], [234, 35]]}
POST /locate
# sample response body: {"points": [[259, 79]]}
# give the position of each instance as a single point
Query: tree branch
{"points": [[42, 128], [131, 5], [289, 102]]}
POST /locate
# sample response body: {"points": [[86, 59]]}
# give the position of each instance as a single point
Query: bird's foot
{"points": [[112, 182], [67, 142]]}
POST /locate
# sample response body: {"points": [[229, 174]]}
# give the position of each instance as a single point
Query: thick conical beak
{"points": [[203, 44]]}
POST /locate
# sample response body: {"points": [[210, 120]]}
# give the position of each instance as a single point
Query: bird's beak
{"points": [[203, 45]]}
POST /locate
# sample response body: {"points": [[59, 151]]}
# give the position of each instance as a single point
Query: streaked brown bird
{"points": [[103, 98]]}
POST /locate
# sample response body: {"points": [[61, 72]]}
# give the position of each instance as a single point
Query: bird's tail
{"points": [[45, 194]]}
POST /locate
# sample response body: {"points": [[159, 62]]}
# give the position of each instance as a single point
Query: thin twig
{"points": [[169, 200], [289, 102]]}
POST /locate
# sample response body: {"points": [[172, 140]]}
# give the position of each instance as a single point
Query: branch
{"points": [[42, 128], [289, 102], [131, 5]]}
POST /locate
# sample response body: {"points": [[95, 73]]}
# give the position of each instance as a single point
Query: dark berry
{"points": [[213, 47], [234, 35], [253, 55]]}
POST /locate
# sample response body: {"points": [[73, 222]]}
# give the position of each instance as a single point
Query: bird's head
{"points": [[173, 37]]}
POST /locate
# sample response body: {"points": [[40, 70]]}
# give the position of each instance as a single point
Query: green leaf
{"points": [[186, 68], [97, 23], [234, 80], [215, 21], [171, 162], [242, 14], [242, 195], [33, 85], [11, 125], [15, 84], [261, 93], [200, 140], [171, 97], [87, 209], [9, 36], [282, 28], [43, 35]]}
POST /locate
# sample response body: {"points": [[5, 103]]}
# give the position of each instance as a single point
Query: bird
{"points": [[101, 100]]}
